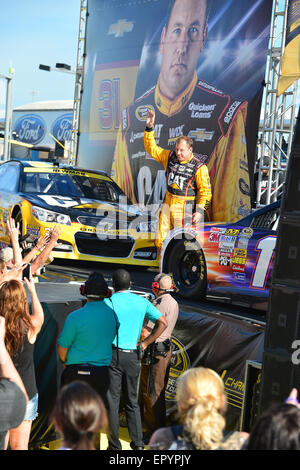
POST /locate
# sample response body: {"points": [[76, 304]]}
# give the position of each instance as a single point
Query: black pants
{"points": [[126, 370], [97, 377]]}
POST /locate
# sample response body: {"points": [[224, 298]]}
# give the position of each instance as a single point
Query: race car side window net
{"points": [[267, 220]]}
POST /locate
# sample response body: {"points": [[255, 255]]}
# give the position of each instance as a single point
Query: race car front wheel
{"points": [[186, 264]]}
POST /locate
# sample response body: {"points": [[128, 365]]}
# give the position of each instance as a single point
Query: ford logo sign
{"points": [[30, 128], [62, 127]]}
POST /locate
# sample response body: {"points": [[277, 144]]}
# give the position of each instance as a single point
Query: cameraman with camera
{"points": [[157, 358]]}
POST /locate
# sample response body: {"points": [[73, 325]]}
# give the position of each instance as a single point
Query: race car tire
{"points": [[186, 264]]}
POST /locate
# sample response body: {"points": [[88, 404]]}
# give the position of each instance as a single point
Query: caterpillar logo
{"points": [[180, 362]]}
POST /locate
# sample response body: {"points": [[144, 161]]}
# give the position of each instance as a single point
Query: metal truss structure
{"points": [[78, 81], [8, 114], [277, 118]]}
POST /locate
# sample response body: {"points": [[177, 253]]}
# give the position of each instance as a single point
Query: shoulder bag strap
{"points": [[117, 328]]}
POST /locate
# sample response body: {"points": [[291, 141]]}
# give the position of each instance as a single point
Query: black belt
{"points": [[125, 350], [85, 364], [85, 368]]}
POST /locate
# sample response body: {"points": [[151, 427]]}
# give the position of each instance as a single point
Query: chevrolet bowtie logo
{"points": [[122, 26], [201, 135], [173, 139]]}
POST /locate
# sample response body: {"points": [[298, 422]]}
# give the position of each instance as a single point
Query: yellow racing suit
{"points": [[188, 188], [216, 123]]}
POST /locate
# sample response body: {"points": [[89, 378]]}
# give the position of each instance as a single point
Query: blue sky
{"points": [[34, 32]]}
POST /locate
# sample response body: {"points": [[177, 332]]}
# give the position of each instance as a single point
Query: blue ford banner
{"points": [[62, 127], [30, 128]]}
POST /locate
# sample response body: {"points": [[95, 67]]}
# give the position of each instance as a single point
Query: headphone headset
{"points": [[82, 290], [156, 284]]}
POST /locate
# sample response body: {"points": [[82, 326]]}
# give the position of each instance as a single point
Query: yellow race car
{"points": [[97, 221]]}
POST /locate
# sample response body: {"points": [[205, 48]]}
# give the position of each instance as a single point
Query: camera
{"points": [[147, 355]]}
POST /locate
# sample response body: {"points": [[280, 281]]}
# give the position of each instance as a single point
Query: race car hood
{"points": [[75, 206]]}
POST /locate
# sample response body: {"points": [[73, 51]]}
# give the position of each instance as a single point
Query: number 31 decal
{"points": [[265, 247]]}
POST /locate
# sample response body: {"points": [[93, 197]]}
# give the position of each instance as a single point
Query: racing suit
{"points": [[214, 120], [188, 187]]}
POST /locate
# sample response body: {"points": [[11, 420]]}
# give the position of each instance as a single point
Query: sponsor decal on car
{"points": [[238, 267], [33, 229], [224, 260], [215, 233]]}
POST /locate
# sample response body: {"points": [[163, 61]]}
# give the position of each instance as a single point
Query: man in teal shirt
{"points": [[131, 310], [85, 343]]}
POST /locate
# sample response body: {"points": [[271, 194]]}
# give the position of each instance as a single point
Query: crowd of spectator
{"points": [[102, 346], [20, 326]]}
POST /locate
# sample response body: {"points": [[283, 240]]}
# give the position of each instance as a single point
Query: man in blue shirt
{"points": [[85, 343], [131, 310]]}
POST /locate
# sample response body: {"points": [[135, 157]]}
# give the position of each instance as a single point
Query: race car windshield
{"points": [[76, 185]]}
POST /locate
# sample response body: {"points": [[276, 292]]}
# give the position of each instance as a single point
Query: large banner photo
{"points": [[200, 65]]}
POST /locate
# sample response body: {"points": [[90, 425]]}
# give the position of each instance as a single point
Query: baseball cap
{"points": [[6, 254], [12, 405]]}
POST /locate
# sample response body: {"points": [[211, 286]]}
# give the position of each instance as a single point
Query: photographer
{"points": [[157, 358]]}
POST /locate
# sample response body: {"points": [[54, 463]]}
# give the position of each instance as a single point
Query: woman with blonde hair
{"points": [[22, 328], [201, 407]]}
